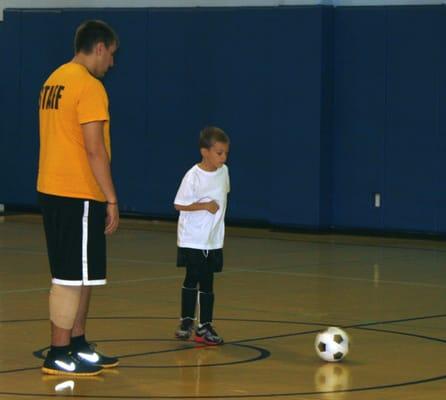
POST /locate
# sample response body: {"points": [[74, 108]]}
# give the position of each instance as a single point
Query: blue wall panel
{"points": [[242, 105], [296, 117], [3, 96], [326, 128], [359, 116], [10, 104], [409, 200], [440, 159], [179, 86], [36, 62]]}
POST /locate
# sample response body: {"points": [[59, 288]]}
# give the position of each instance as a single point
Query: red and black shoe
{"points": [[206, 334]]}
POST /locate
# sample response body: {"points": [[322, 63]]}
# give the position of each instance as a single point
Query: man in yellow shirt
{"points": [[77, 195]]}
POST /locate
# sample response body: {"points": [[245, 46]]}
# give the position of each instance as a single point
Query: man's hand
{"points": [[112, 218]]}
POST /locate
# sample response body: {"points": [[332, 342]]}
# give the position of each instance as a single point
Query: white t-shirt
{"points": [[202, 229]]}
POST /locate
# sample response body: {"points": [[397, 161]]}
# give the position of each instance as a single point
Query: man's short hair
{"points": [[210, 135], [92, 32]]}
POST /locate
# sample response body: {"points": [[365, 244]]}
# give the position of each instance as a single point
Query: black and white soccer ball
{"points": [[332, 344]]}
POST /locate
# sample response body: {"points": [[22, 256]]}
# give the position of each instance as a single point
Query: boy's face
{"points": [[216, 156]]}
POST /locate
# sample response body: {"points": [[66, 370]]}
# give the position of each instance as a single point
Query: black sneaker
{"points": [[206, 334], [68, 365], [88, 354], [184, 331]]}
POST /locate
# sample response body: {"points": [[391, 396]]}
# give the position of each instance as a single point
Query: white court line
{"points": [[109, 283], [235, 270], [228, 269], [346, 278], [114, 259]]}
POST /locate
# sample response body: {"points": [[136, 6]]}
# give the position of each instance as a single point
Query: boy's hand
{"points": [[212, 206]]}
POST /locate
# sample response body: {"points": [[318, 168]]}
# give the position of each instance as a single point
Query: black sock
{"points": [[59, 350], [206, 307], [78, 342], [188, 302]]}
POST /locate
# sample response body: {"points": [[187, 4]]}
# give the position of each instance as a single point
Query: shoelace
{"points": [[73, 357], [212, 330], [209, 328], [91, 346]]}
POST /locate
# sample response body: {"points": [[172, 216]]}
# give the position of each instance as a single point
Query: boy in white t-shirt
{"points": [[201, 200]]}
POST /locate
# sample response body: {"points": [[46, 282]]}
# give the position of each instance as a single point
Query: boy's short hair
{"points": [[210, 135], [92, 32]]}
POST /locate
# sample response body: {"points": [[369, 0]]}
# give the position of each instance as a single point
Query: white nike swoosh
{"points": [[64, 385], [68, 367], [93, 357]]}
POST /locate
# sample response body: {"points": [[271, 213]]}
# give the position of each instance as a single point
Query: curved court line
{"points": [[263, 354]]}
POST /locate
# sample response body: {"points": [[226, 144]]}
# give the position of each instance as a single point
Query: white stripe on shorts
{"points": [[65, 282], [85, 280], [85, 242], [79, 283]]}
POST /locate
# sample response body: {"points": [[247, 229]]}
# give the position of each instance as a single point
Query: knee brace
{"points": [[64, 303]]}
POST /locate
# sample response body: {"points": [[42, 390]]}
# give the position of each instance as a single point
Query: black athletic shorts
{"points": [[200, 259], [74, 230]]}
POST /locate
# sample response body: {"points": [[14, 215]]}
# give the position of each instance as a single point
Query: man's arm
{"points": [[100, 165]]}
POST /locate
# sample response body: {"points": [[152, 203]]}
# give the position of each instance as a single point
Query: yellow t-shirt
{"points": [[71, 96]]}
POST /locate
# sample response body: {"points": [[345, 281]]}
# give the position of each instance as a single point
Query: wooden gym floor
{"points": [[276, 291]]}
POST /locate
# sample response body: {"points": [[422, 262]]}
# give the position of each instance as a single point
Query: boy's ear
{"points": [[204, 152]]}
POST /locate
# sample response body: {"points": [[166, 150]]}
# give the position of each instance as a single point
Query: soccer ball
{"points": [[332, 344]]}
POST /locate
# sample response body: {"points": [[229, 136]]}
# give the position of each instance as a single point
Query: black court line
{"points": [[262, 354], [424, 337], [266, 353]]}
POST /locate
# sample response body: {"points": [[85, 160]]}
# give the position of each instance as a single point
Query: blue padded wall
{"points": [[35, 63], [180, 69], [242, 105], [359, 115], [12, 161], [296, 117], [325, 106], [326, 128], [179, 87], [388, 63], [3, 96], [410, 181], [440, 160]]}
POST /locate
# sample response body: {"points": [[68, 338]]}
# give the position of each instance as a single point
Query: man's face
{"points": [[104, 58]]}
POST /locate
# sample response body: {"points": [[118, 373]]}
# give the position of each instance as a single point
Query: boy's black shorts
{"points": [[74, 230], [200, 259]]}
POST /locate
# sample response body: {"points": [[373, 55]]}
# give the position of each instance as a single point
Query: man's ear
{"points": [[99, 48]]}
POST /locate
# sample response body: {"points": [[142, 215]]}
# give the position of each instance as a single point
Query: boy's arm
{"points": [[210, 206]]}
